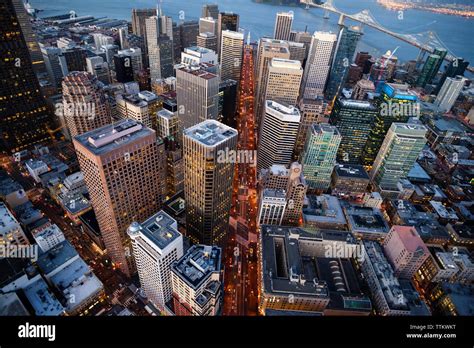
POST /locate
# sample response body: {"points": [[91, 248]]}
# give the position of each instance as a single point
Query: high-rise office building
{"points": [[123, 68], [210, 10], [197, 93], [271, 207], [160, 50], [297, 51], [196, 55], [267, 50], [124, 169], [197, 282], [429, 71], [232, 45], [226, 21], [141, 107], [319, 155], [449, 92], [85, 106], [102, 40], [278, 133], [283, 23], [207, 40], [282, 83], [188, 32], [207, 25], [397, 155], [354, 120], [395, 104], [156, 244], [362, 89], [312, 111], [25, 120], [100, 69], [346, 47], [456, 67], [228, 103], [51, 56], [405, 250], [138, 20], [318, 64], [135, 59], [208, 175]]}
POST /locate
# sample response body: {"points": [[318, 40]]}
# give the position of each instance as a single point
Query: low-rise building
{"points": [[323, 211], [365, 222]]}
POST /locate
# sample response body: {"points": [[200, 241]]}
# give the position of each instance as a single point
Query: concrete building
{"points": [[197, 282], [366, 222], [10, 230], [231, 52], [405, 250], [124, 169], [399, 151], [207, 40], [207, 25], [389, 295], [48, 236], [449, 92], [100, 69], [208, 180], [197, 94], [156, 245], [312, 111], [349, 181], [283, 23], [318, 64], [323, 211], [196, 55], [226, 21], [278, 133], [271, 207], [84, 104], [319, 155]]}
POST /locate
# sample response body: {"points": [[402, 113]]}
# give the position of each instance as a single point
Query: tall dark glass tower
{"points": [[24, 118], [346, 47], [353, 119], [433, 62]]}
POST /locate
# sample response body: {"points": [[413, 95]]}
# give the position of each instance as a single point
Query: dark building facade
{"points": [[24, 118]]}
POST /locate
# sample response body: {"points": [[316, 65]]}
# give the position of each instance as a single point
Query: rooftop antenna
{"points": [[159, 13]]}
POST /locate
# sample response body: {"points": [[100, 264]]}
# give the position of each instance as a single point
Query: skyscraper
{"points": [[232, 45], [123, 68], [282, 83], [210, 10], [432, 63], [85, 106], [197, 93], [207, 25], [156, 245], [138, 20], [160, 50], [197, 282], [449, 92], [354, 120], [278, 132], [319, 155], [228, 103], [318, 64], [267, 50], [271, 207], [100, 69], [346, 47], [51, 56], [456, 67], [124, 169], [25, 119], [395, 104], [208, 178], [397, 155], [283, 23], [188, 32], [226, 21]]}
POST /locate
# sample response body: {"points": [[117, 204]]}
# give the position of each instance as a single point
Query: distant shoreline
{"points": [[401, 6]]}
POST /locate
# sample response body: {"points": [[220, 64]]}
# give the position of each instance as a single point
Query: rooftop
{"points": [[210, 133], [161, 229], [323, 209], [351, 171], [56, 257], [365, 219], [110, 137], [42, 299], [288, 113], [356, 104], [199, 262], [7, 220]]}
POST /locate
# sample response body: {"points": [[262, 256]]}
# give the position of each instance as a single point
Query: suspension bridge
{"points": [[426, 41]]}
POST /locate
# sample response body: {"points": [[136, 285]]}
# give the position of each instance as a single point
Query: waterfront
{"points": [[456, 32]]}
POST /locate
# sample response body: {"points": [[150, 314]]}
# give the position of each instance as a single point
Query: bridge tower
{"points": [[341, 19]]}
